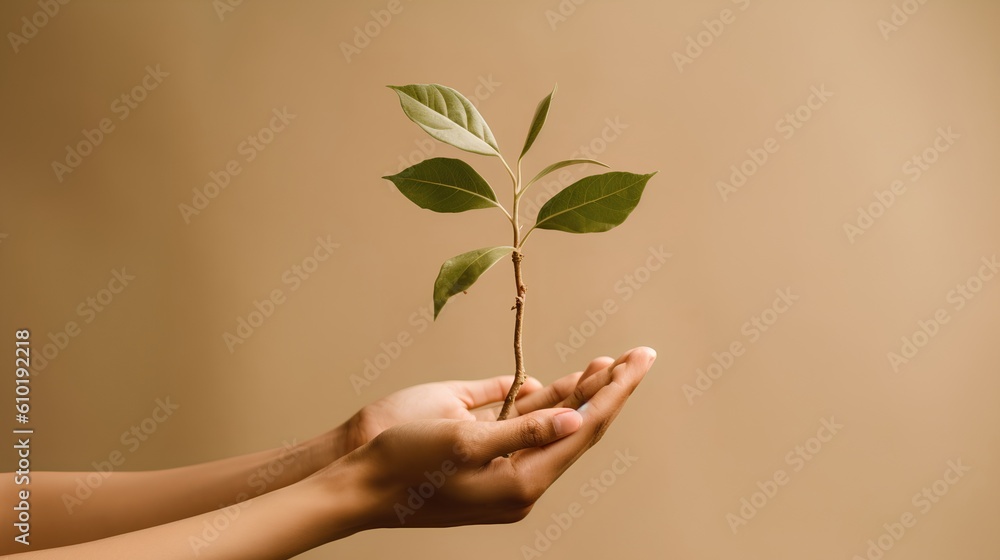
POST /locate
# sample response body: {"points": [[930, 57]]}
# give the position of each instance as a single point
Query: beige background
{"points": [[826, 356]]}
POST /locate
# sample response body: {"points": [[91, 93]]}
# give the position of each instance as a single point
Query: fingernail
{"points": [[583, 407], [566, 423]]}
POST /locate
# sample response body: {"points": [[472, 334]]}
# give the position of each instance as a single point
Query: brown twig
{"points": [[519, 374]]}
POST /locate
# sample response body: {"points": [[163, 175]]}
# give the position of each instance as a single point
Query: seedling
{"points": [[592, 204]]}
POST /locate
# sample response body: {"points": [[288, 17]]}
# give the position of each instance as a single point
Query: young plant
{"points": [[592, 204]]}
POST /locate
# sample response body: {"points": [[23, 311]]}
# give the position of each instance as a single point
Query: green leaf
{"points": [[444, 185], [537, 122], [559, 165], [459, 273], [593, 204], [448, 116]]}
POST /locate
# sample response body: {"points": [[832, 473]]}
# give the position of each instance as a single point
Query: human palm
{"points": [[460, 400]]}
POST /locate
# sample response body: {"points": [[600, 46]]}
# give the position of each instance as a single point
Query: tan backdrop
{"points": [[823, 229]]}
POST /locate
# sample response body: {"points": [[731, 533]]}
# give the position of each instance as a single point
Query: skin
{"points": [[362, 475]]}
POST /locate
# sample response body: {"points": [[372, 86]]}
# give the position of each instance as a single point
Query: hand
{"points": [[458, 400], [448, 472], [559, 393], [451, 400]]}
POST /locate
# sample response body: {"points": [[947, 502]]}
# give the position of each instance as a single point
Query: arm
{"points": [[276, 525], [84, 506], [373, 487], [357, 492], [77, 507]]}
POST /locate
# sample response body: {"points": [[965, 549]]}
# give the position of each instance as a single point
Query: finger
{"points": [[561, 389], [589, 385], [597, 364], [530, 430], [530, 387], [548, 396], [598, 414], [481, 392]]}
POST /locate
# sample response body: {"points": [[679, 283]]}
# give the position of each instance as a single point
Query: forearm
{"points": [[274, 526], [69, 508]]}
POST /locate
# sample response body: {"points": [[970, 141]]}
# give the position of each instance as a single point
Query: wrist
{"points": [[320, 451], [353, 502]]}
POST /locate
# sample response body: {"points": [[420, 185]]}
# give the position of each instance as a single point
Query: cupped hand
{"points": [[460, 400], [446, 400], [448, 472]]}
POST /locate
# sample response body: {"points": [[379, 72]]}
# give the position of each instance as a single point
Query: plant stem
{"points": [[512, 178], [519, 373]]}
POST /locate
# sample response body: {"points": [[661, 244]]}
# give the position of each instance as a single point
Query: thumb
{"points": [[531, 430]]}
